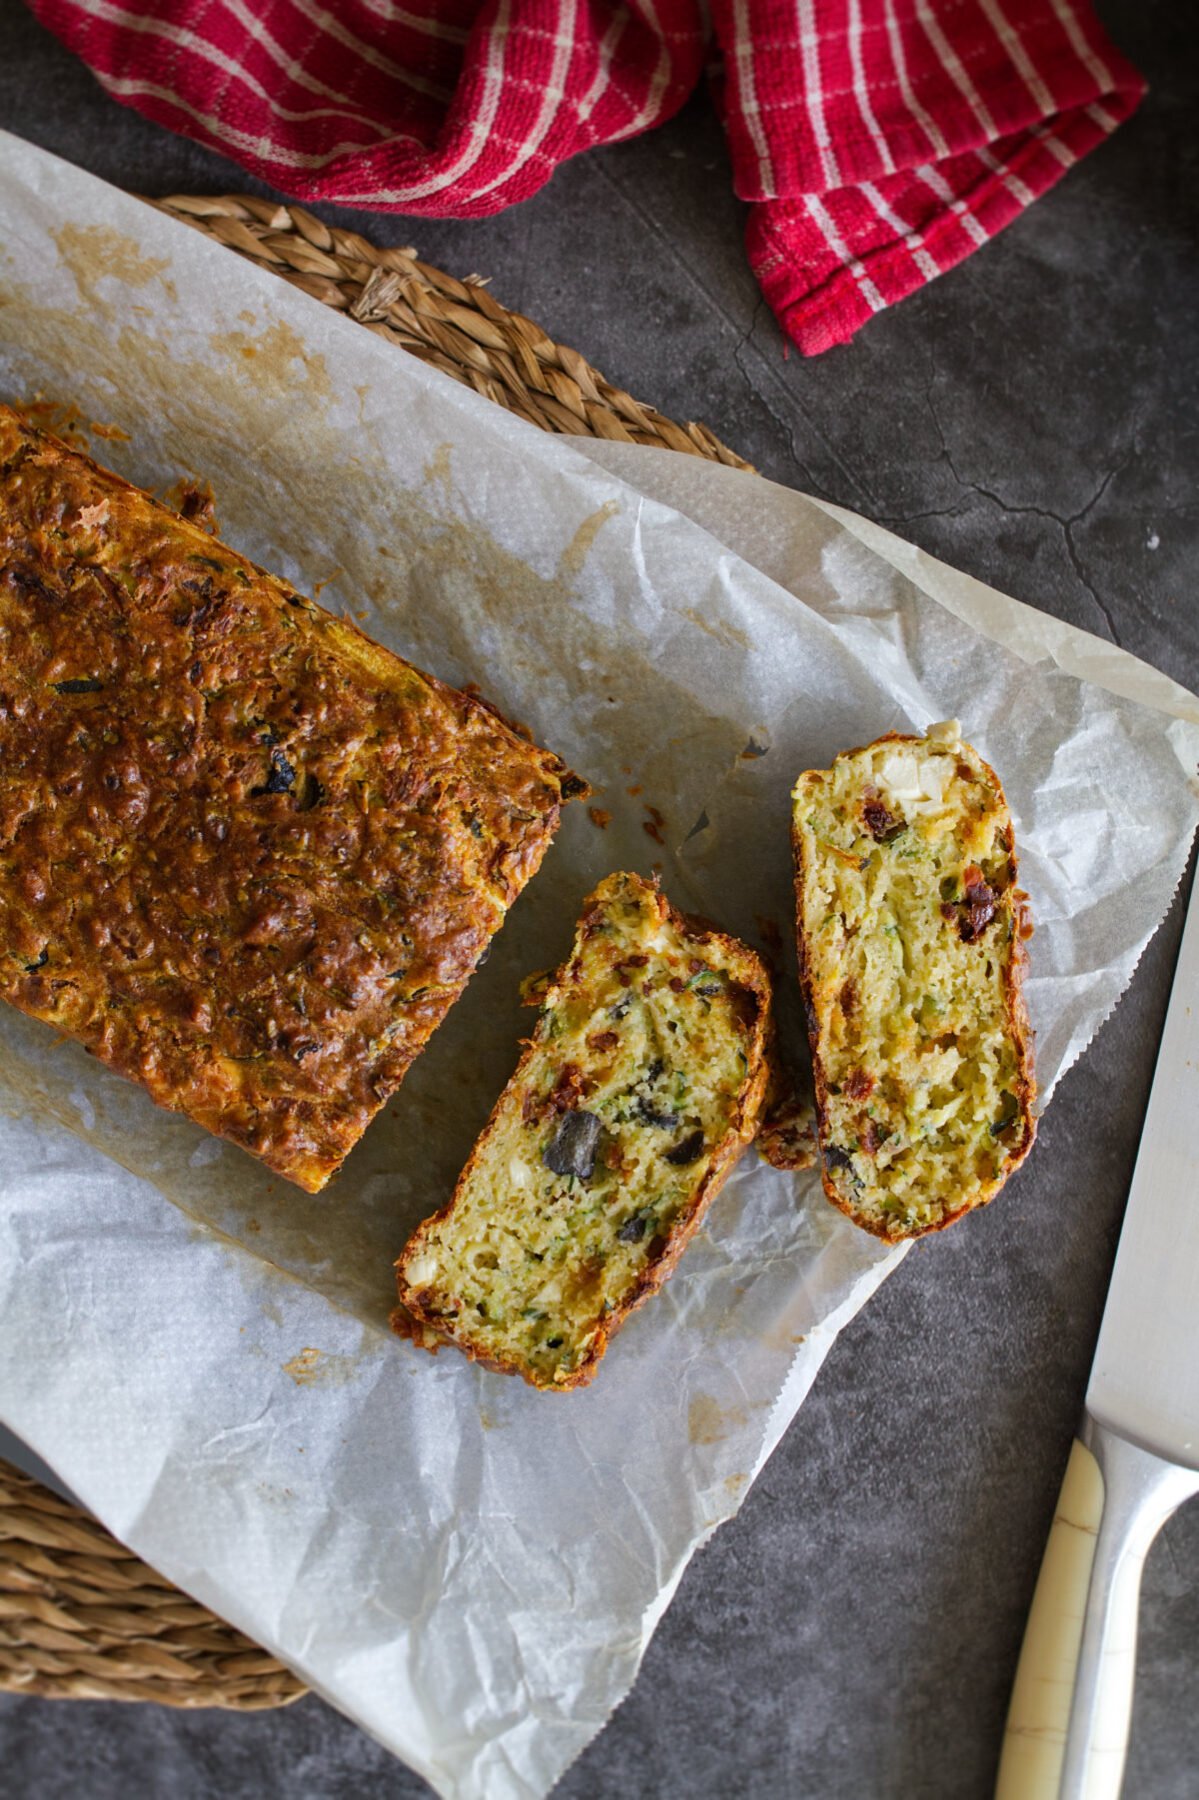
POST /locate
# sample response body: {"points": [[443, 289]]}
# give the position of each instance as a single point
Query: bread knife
{"points": [[1136, 1456]]}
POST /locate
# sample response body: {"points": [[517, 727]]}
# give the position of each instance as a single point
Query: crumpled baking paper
{"points": [[468, 1568]]}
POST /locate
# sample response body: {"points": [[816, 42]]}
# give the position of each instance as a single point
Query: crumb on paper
{"points": [[312, 1366], [635, 789], [599, 816], [304, 1367], [194, 501], [652, 826]]}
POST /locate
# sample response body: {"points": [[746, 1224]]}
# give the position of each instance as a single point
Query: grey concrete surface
{"points": [[1032, 417]]}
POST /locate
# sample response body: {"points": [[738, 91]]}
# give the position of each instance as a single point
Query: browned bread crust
{"points": [[1003, 927], [423, 1311], [248, 858]]}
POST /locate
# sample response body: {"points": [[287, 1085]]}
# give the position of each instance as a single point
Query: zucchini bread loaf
{"points": [[911, 952], [641, 1085], [248, 858]]}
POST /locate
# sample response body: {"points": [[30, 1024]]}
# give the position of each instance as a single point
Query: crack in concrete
{"points": [[1064, 525], [784, 425]]}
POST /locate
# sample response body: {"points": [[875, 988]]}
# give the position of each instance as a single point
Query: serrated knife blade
{"points": [[1145, 1377], [1136, 1457]]}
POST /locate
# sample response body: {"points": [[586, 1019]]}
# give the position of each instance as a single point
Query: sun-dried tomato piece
{"points": [[883, 825], [978, 906], [858, 1085]]}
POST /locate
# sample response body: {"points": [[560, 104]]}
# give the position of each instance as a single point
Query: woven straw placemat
{"points": [[458, 326], [81, 1617]]}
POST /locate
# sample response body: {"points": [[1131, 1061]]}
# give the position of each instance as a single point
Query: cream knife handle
{"points": [[1067, 1728]]}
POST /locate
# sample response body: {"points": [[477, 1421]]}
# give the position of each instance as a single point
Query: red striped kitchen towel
{"points": [[878, 141]]}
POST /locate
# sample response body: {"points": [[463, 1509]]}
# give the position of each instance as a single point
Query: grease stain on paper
{"points": [[437, 471], [730, 636], [571, 561], [269, 358], [710, 1423], [94, 252]]}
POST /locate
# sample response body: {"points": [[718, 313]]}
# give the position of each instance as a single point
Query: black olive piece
{"points": [[43, 959], [280, 776], [655, 1069], [691, 1147], [621, 1008], [646, 1114], [553, 1343], [836, 1158], [87, 684], [572, 787], [571, 1150], [633, 1230]]}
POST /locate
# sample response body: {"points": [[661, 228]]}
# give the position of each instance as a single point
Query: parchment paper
{"points": [[470, 1569]]}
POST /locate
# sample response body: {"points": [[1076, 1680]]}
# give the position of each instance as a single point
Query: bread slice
{"points": [[911, 952], [639, 1088]]}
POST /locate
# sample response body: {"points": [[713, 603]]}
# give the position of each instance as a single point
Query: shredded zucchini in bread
{"points": [[640, 1086], [911, 954]]}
